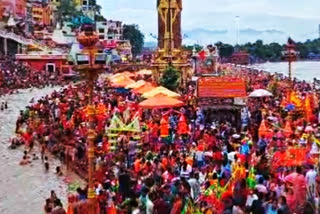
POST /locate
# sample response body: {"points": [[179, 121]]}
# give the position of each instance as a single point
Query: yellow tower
{"points": [[169, 39]]}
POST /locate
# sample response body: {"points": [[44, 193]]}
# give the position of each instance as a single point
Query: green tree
{"points": [[190, 47], [96, 6], [170, 78], [99, 18], [225, 50], [135, 36], [67, 10]]}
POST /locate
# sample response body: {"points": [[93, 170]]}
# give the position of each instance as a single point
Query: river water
{"points": [[303, 70], [23, 189]]}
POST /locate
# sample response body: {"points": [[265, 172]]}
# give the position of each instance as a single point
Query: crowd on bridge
{"points": [[176, 160]]}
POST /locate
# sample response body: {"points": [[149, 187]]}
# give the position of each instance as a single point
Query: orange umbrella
{"points": [[122, 82], [144, 88], [161, 101], [160, 90], [123, 74], [137, 84]]}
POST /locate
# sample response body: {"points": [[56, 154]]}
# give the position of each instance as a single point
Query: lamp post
{"points": [[290, 55], [195, 59], [90, 63]]}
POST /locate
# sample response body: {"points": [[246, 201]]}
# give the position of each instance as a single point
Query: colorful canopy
{"points": [[161, 101], [144, 88], [122, 82], [121, 75], [136, 84], [160, 90]]}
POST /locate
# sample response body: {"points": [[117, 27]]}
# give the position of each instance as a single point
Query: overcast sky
{"points": [[296, 18]]}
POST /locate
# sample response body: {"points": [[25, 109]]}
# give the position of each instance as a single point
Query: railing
{"points": [[22, 40]]}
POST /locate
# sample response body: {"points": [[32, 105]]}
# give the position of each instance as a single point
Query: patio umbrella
{"points": [[144, 72], [122, 82], [136, 84], [161, 101], [160, 90], [260, 93], [144, 88], [121, 75]]}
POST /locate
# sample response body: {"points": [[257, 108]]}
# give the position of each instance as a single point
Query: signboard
{"points": [[221, 87]]}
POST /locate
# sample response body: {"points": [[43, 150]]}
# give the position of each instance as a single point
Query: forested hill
{"points": [[269, 52]]}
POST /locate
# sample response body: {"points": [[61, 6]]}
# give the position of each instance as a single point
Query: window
{"points": [[101, 37], [101, 30], [82, 59]]}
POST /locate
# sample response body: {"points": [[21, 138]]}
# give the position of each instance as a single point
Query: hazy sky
{"points": [[296, 18]]}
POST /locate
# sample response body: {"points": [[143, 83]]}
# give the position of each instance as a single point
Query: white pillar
{"points": [[5, 46]]}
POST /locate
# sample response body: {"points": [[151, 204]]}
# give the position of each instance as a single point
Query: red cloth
{"points": [[202, 55], [299, 187], [164, 127], [217, 156], [182, 125]]}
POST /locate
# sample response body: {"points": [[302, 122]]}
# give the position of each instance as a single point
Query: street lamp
{"points": [[90, 62], [290, 55]]}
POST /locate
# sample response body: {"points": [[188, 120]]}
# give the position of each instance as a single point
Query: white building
{"points": [[110, 30]]}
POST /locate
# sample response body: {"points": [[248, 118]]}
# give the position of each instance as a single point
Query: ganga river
{"points": [[303, 70], [23, 189]]}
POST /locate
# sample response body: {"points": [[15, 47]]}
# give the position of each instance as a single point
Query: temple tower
{"points": [[169, 23], [169, 40]]}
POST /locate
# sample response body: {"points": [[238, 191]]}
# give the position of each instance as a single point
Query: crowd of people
{"points": [[15, 75], [53, 205], [181, 162]]}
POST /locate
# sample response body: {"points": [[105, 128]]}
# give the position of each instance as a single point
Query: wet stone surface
{"points": [[23, 189]]}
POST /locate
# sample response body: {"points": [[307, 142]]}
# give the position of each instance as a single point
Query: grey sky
{"points": [[296, 18]]}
